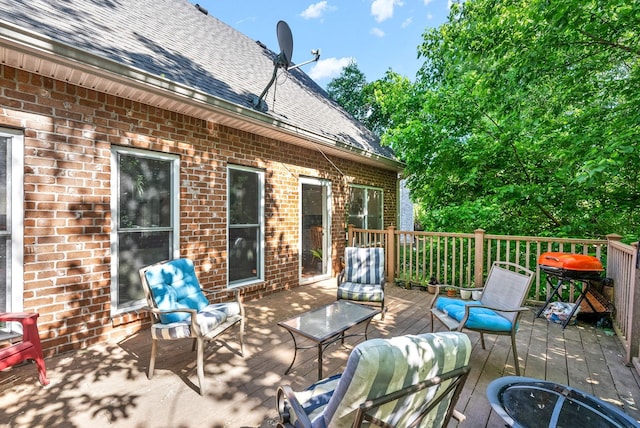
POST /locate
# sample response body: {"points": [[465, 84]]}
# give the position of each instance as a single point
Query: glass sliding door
{"points": [[315, 233]]}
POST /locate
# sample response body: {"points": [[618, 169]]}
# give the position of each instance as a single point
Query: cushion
{"points": [[315, 398], [174, 285], [364, 265], [360, 292], [479, 318], [209, 318]]}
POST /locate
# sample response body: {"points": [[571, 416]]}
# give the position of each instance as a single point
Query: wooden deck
{"points": [[106, 385]]}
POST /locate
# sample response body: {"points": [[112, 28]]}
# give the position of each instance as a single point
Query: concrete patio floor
{"points": [[106, 385]]}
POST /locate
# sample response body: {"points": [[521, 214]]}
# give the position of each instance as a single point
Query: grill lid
{"points": [[569, 261]]}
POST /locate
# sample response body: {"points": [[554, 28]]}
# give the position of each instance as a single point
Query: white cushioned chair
{"points": [[406, 381], [182, 311], [362, 279]]}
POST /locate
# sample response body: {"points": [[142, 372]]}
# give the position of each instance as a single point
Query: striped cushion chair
{"points": [[362, 279], [406, 381], [182, 311]]}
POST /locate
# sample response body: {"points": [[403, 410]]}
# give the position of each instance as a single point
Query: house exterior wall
{"points": [[68, 135]]}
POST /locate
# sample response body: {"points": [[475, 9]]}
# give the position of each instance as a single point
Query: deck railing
{"points": [[464, 259], [622, 267]]}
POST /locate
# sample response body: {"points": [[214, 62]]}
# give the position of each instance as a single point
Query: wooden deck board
{"points": [[107, 384]]}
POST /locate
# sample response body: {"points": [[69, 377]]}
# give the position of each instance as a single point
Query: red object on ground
{"points": [[570, 265], [29, 348]]}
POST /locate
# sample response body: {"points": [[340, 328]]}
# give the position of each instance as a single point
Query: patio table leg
{"points": [[320, 348], [295, 352]]}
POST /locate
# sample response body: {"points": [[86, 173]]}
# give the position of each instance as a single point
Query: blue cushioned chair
{"points": [[362, 279], [404, 381], [181, 310], [497, 311]]}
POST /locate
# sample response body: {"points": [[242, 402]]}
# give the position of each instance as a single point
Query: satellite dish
{"points": [[282, 60], [285, 41]]}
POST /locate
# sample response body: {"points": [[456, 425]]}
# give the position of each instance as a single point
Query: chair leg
{"points": [[482, 340], [515, 354], [152, 361], [200, 364], [31, 334], [242, 336], [42, 370]]}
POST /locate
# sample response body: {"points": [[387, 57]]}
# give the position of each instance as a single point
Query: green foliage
{"points": [[361, 99], [524, 119], [348, 91]]}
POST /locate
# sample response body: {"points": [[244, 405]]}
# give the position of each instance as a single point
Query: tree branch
{"points": [[603, 42]]}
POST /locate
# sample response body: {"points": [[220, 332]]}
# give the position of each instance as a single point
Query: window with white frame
{"points": [[145, 217], [246, 225], [366, 207], [11, 218]]}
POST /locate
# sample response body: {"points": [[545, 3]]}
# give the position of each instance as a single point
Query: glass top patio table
{"points": [[327, 324]]}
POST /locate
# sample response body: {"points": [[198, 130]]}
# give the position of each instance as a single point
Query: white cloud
{"points": [[406, 23], [315, 10], [427, 2], [377, 32], [329, 68], [383, 9]]}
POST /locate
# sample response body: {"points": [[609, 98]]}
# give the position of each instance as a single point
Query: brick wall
{"points": [[69, 132]]}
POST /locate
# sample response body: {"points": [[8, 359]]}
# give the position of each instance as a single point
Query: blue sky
{"points": [[376, 34]]}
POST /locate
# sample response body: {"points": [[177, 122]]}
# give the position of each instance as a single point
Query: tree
{"points": [[524, 119], [348, 91], [361, 99]]}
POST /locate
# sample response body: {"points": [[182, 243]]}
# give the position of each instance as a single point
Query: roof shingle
{"points": [[174, 40]]}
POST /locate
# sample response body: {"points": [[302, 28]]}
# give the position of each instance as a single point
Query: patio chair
{"points": [[181, 310], [362, 279], [498, 310], [406, 381], [29, 348]]}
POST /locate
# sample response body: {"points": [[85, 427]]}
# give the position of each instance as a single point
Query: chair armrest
{"points": [[28, 321], [461, 288], [194, 322], [168, 311], [286, 394], [16, 316], [495, 308]]}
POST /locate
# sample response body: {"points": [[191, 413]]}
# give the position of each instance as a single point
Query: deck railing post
{"points": [[350, 235], [390, 251], [478, 266], [635, 335]]}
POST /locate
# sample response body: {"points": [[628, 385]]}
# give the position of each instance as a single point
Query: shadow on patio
{"points": [[106, 384]]}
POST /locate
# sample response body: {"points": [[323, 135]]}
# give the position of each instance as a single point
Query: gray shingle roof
{"points": [[174, 40]]}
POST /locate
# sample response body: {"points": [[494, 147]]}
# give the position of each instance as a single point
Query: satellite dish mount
{"points": [[282, 60]]}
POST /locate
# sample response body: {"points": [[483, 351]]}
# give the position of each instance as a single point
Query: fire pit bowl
{"points": [[528, 403]]}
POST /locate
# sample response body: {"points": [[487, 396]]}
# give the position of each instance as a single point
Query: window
{"points": [[145, 216], [246, 225], [365, 207], [11, 218]]}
